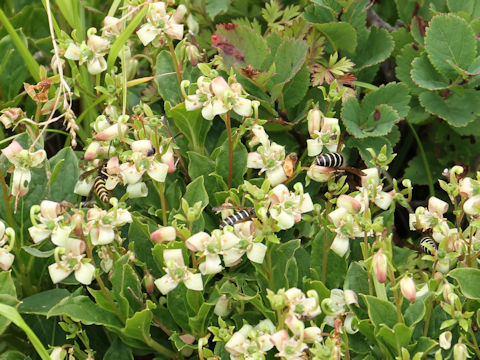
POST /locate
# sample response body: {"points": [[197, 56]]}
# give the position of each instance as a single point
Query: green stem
{"points": [[178, 70], [475, 347], [398, 297], [163, 201], [428, 314], [6, 200], [347, 352], [424, 159], [230, 149], [124, 82]]}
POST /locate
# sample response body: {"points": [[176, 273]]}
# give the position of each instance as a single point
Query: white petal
{"points": [[102, 235], [60, 235], [193, 281], [165, 284], [6, 260], [276, 175], [96, 65], [84, 274], [158, 171], [314, 147], [72, 52], [20, 182], [257, 252], [147, 33], [231, 257], [340, 245], [175, 256], [137, 190], [58, 273], [82, 187], [243, 107], [38, 233], [211, 265]]}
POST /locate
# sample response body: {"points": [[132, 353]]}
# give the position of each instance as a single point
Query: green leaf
{"points": [[38, 253], [450, 40], [12, 315], [177, 305], [381, 311], [200, 165], [8, 296], [357, 279], [13, 71], [126, 285], [240, 154], [118, 351], [244, 42], [82, 309], [425, 75], [341, 35], [296, 89], [191, 123], [284, 255], [139, 234], [196, 192], [397, 337], [41, 303], [457, 6], [458, 109], [61, 187], [215, 7], [378, 112], [404, 64], [468, 279], [416, 168], [416, 311], [379, 44], [14, 355], [288, 59], [168, 86]]}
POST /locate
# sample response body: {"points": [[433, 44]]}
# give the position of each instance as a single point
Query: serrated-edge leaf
{"points": [[424, 75], [339, 42]]}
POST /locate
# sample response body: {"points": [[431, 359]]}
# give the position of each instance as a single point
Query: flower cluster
{"points": [[11, 116], [269, 156], [23, 160], [216, 97], [130, 166], [177, 271], [253, 342], [69, 232], [161, 22], [324, 133], [92, 52]]}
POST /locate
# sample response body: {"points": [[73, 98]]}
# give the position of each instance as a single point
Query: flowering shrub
{"points": [[243, 180]]}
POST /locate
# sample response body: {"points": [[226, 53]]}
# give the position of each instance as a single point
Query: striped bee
{"points": [[428, 245], [238, 217], [99, 184], [336, 160]]}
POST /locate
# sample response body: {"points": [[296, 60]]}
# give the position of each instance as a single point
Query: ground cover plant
{"points": [[239, 179]]}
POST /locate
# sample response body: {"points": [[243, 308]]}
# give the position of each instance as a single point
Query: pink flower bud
{"points": [[472, 205], [466, 187], [314, 118], [143, 146], [166, 233], [149, 282], [347, 202], [222, 306], [193, 54], [220, 87], [111, 132], [279, 338], [407, 285], [380, 266], [437, 206], [92, 150], [113, 166], [12, 151], [169, 160], [179, 14]]}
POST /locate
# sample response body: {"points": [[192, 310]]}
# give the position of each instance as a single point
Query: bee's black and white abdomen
{"points": [[236, 218], [99, 185], [331, 160], [428, 241]]}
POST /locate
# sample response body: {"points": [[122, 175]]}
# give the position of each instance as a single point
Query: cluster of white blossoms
{"points": [[161, 22], [231, 242], [67, 232], [324, 133], [142, 159], [253, 342], [23, 160], [269, 156], [91, 52], [7, 241], [216, 97]]}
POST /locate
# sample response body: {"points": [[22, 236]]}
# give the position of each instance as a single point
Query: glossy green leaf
{"points": [[450, 40], [177, 305], [341, 35], [84, 310], [239, 163], [139, 234], [296, 89], [13, 71], [8, 296], [166, 78], [118, 351], [458, 109], [126, 285], [424, 75], [191, 123], [41, 303], [215, 7], [284, 256], [244, 44], [65, 164], [397, 337], [196, 192], [379, 44], [381, 311], [468, 279]]}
